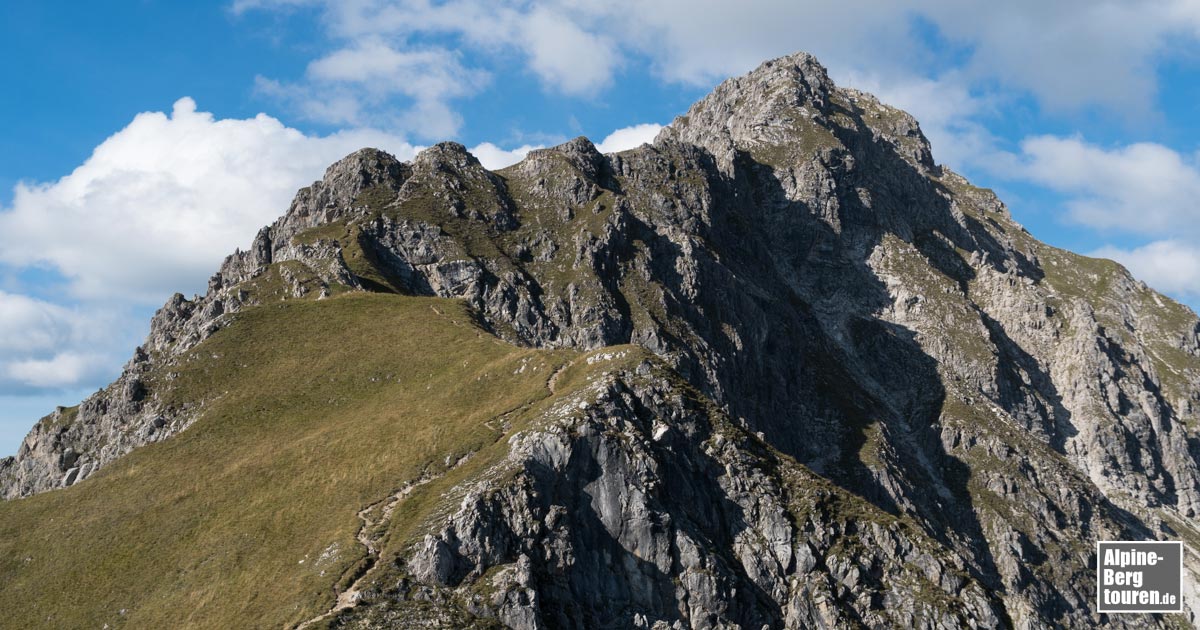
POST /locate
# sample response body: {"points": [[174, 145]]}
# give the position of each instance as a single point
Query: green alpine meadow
{"points": [[778, 368]]}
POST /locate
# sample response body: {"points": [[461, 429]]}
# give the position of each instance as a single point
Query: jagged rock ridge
{"points": [[877, 337]]}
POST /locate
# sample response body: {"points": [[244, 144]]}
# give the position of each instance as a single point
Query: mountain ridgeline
{"points": [[777, 369]]}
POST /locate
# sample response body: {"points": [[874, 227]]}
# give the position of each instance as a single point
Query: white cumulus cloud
{"points": [[159, 203], [64, 369], [152, 211], [1172, 266], [629, 138], [46, 345], [565, 55], [1144, 187], [31, 325], [493, 157], [28, 324]]}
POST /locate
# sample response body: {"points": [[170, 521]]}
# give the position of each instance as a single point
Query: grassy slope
{"points": [[322, 407]]}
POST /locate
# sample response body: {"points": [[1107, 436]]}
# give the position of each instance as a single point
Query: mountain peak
{"points": [[579, 148], [788, 109], [777, 369], [363, 169], [451, 155], [798, 67], [579, 153]]}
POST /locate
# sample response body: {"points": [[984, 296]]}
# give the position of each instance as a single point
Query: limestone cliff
{"points": [[875, 399]]}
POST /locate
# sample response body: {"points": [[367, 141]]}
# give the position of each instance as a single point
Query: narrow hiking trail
{"points": [[377, 514], [372, 517]]}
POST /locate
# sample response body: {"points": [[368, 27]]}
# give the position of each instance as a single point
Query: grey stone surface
{"points": [[922, 417]]}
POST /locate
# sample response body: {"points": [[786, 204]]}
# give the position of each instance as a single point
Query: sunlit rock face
{"points": [[870, 398]]}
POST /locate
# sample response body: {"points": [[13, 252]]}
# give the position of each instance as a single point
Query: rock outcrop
{"points": [[918, 414]]}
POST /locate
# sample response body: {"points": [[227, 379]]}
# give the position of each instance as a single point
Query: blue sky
{"points": [[142, 141]]}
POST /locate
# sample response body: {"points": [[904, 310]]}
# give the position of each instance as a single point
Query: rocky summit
{"points": [[777, 369]]}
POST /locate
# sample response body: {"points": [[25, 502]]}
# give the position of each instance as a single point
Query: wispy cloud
{"points": [[354, 86], [1069, 54]]}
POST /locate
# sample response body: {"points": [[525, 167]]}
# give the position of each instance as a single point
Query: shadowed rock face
{"points": [[883, 402]]}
